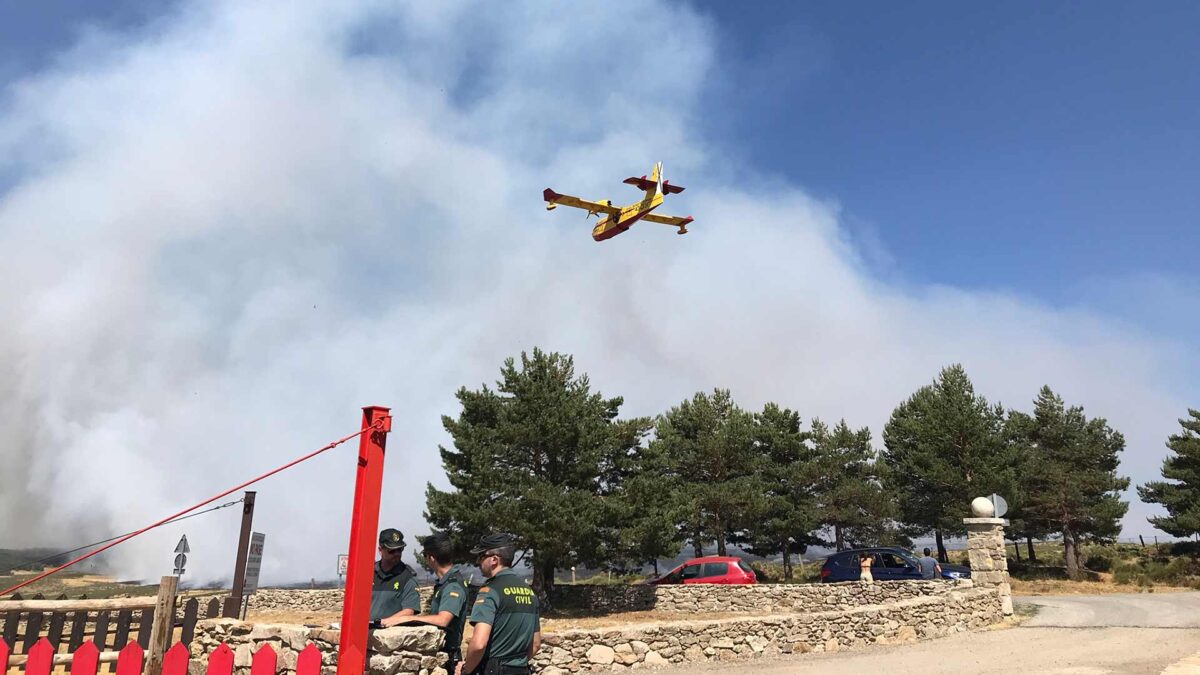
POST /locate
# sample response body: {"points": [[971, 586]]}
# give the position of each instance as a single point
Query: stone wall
{"points": [[394, 651], [798, 619], [754, 599], [296, 600], [299, 600], [645, 645]]}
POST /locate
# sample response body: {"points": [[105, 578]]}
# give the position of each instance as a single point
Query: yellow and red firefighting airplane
{"points": [[617, 219]]}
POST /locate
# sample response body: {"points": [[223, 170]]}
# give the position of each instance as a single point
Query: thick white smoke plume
{"points": [[229, 230]]}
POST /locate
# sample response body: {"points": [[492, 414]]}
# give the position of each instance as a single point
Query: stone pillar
{"points": [[989, 565]]}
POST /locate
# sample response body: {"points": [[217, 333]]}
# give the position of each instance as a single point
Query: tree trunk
{"points": [[1017, 550], [698, 547], [721, 544], [1029, 547], [838, 544], [787, 563], [941, 547], [543, 581], [1070, 554], [656, 574]]}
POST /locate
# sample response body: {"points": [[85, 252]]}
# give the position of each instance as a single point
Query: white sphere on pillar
{"points": [[982, 507]]}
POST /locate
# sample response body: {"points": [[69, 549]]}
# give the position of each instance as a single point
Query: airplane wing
{"points": [[674, 221], [553, 197], [667, 220]]}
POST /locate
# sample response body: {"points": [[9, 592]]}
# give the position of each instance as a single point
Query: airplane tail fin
{"points": [[654, 184]]}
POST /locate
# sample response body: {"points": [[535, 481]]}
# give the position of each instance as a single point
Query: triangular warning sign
{"points": [[182, 546]]}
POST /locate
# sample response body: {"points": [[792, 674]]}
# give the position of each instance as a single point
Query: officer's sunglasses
{"points": [[482, 556]]}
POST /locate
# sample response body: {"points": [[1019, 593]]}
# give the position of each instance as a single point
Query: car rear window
{"points": [[715, 569], [745, 568]]}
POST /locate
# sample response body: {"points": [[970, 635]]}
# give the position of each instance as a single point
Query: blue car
{"points": [[891, 564]]}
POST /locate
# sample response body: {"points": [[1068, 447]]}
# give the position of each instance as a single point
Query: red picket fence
{"points": [[86, 660]]}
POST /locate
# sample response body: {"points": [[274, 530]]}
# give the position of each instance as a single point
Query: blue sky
{"points": [[218, 209], [1023, 145]]}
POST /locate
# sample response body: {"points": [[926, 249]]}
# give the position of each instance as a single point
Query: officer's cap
{"points": [[494, 541], [391, 539]]}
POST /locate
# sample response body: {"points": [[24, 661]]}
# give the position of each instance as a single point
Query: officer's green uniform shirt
{"points": [[509, 605], [389, 595], [450, 595]]}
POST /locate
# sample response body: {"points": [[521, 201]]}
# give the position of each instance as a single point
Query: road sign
{"points": [[343, 560], [181, 551], [999, 506], [253, 562]]}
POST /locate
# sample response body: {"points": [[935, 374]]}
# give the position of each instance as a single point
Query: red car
{"points": [[712, 569]]}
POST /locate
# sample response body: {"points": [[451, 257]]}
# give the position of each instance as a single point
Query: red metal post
{"points": [[352, 647]]}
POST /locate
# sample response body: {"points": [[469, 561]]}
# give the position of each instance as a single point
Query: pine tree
{"points": [[944, 447], [1075, 489], [1025, 523], [784, 516], [709, 444], [1181, 496], [851, 498], [650, 509], [539, 457]]}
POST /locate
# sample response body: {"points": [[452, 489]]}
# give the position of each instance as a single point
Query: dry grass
{"points": [[294, 618], [1065, 587]]}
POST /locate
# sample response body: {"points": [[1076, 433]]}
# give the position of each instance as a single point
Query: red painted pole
{"points": [[360, 575]]}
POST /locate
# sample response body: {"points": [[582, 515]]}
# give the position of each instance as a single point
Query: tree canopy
{"points": [[943, 447], [1075, 490], [851, 501], [1179, 494], [540, 456]]}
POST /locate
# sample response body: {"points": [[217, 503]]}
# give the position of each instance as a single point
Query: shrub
{"points": [[1099, 558]]}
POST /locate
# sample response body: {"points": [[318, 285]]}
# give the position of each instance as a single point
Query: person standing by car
{"points": [[864, 565], [930, 568]]}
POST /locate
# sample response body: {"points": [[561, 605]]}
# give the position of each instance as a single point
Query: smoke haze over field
{"points": [[228, 230]]}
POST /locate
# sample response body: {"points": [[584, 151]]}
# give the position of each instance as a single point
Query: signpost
{"points": [[343, 560], [999, 505], [253, 566], [364, 521], [181, 551], [233, 603]]}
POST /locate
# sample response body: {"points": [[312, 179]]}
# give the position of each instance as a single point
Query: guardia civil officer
{"points": [[508, 629], [448, 606], [394, 593]]}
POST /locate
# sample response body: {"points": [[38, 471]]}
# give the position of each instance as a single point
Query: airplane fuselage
{"points": [[611, 226]]}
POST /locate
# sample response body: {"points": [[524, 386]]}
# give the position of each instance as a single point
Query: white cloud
{"points": [[234, 228]]}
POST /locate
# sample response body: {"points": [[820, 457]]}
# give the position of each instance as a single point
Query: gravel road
{"points": [[1071, 635]]}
